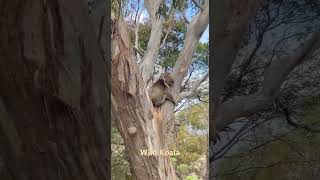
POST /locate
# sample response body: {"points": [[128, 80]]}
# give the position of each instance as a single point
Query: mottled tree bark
{"points": [[138, 122], [53, 92]]}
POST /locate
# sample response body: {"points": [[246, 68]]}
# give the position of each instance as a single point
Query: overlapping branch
{"points": [[193, 89], [244, 106]]}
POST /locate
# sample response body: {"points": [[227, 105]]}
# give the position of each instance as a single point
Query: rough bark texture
{"points": [[54, 93], [140, 125]]}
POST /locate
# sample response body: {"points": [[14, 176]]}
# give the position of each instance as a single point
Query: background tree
{"points": [[264, 88], [192, 140]]}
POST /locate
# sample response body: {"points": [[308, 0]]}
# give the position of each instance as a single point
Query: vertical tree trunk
{"points": [[141, 125], [53, 93]]}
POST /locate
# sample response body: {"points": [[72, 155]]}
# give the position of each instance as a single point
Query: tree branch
{"points": [[192, 36], [154, 41], [190, 72], [139, 51], [136, 32], [171, 13], [194, 32], [293, 123], [245, 106], [193, 89], [279, 69], [231, 20], [184, 16], [198, 4]]}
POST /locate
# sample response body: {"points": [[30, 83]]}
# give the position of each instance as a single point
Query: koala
{"points": [[159, 91]]}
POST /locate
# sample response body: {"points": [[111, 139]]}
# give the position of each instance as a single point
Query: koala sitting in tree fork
{"points": [[159, 91]]}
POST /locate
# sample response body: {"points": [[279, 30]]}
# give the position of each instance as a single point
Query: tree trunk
{"points": [[231, 20], [54, 93], [140, 125]]}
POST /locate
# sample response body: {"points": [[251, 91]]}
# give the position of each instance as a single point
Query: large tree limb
{"points": [[231, 20], [153, 47], [244, 69], [195, 29], [279, 69], [194, 32], [274, 77]]}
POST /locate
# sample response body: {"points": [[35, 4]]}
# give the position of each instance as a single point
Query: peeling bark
{"points": [[132, 109]]}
